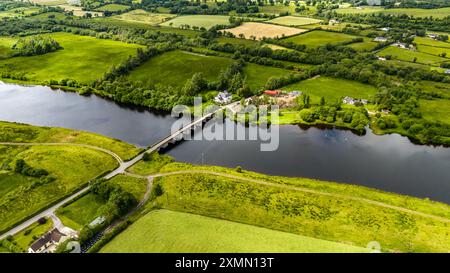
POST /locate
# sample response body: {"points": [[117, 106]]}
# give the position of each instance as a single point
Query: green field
{"points": [[331, 211], [113, 7], [150, 167], [367, 45], [70, 166], [257, 75], [435, 13], [46, 15], [277, 9], [320, 38], [409, 56], [170, 231], [27, 236], [5, 46], [175, 67], [236, 41], [19, 12], [81, 212], [16, 132], [142, 16], [294, 21], [136, 186], [436, 110], [82, 58], [206, 21], [333, 89]]}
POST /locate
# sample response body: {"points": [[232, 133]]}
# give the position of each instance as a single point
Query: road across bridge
{"points": [[121, 169]]}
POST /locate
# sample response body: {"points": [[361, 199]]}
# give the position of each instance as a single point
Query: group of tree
{"points": [[35, 45]]}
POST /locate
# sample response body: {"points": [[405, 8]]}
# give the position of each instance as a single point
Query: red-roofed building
{"points": [[272, 92]]}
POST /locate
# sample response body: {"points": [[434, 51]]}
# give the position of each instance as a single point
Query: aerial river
{"points": [[389, 162]]}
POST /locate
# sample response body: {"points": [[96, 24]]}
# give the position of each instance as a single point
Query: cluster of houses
{"points": [[352, 101]]}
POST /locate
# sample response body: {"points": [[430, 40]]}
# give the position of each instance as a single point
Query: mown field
{"points": [[320, 38], [175, 67], [82, 58], [416, 12], [433, 47], [206, 21], [142, 16], [69, 167], [170, 231], [332, 89], [323, 210], [411, 56], [260, 30], [294, 21]]}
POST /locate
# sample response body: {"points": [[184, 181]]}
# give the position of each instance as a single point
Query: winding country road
{"points": [[123, 166]]}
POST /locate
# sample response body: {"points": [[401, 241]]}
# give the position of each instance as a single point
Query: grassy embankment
{"points": [[69, 167], [324, 210]]}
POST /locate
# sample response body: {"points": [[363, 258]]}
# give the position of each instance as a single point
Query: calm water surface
{"points": [[389, 162]]}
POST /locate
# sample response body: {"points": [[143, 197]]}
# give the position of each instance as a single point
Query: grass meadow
{"points": [[436, 110], [332, 89], [113, 7], [171, 231], [416, 12], [411, 56], [82, 58], [142, 16], [324, 210], [80, 212], [257, 75], [294, 21], [175, 67], [319, 38], [206, 21]]}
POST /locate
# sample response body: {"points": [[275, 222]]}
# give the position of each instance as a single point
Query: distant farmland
{"points": [[206, 21], [260, 30], [294, 21], [319, 38]]}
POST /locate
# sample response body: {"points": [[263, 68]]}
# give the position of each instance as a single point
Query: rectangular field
{"points": [[294, 21], [257, 75], [142, 16], [171, 231], [411, 56], [261, 30], [319, 38], [175, 67], [332, 89], [206, 21], [113, 7], [416, 12]]}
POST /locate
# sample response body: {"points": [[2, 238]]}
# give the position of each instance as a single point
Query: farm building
{"points": [[352, 101], [223, 98]]}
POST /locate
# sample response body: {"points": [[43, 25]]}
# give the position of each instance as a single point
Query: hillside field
{"points": [[82, 58], [170, 231], [411, 55]]}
